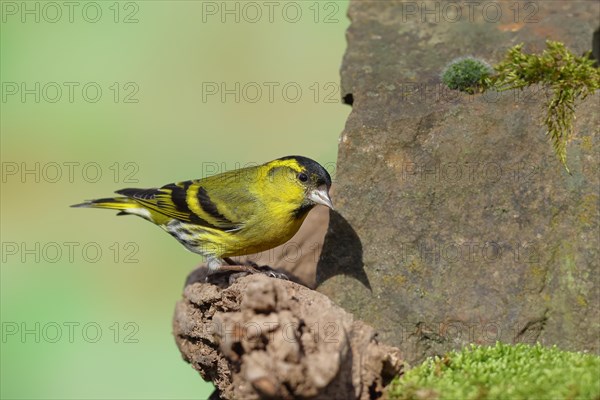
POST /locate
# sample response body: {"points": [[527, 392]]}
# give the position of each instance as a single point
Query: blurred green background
{"points": [[97, 96]]}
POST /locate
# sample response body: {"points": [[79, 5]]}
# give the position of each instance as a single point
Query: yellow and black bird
{"points": [[235, 213]]}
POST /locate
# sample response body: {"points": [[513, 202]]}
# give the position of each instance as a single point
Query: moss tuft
{"points": [[570, 79], [466, 74]]}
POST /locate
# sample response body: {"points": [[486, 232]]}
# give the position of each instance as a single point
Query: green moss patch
{"points": [[502, 372]]}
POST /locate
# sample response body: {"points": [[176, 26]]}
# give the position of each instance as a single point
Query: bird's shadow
{"points": [[342, 252]]}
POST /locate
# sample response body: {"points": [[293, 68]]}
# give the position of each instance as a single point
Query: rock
{"points": [[270, 338], [468, 228]]}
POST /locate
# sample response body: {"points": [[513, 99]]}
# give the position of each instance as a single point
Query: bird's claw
{"points": [[278, 275], [270, 272]]}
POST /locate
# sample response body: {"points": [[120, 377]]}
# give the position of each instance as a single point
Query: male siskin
{"points": [[235, 213]]}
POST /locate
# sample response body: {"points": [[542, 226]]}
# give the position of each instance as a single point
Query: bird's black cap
{"points": [[312, 167]]}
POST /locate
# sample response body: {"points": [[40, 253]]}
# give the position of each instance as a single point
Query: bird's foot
{"points": [[237, 271], [270, 272]]}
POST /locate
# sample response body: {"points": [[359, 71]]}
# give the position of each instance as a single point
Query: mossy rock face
{"points": [[470, 228]]}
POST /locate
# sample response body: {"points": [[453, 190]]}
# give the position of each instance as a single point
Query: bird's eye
{"points": [[302, 177]]}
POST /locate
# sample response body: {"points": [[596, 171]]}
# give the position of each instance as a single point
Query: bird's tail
{"points": [[123, 204]]}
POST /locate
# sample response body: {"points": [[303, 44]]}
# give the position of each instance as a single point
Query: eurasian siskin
{"points": [[235, 213]]}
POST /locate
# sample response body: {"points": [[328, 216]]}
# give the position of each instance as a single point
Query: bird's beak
{"points": [[321, 196]]}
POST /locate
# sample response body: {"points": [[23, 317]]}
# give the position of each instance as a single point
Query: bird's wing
{"points": [[203, 202]]}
